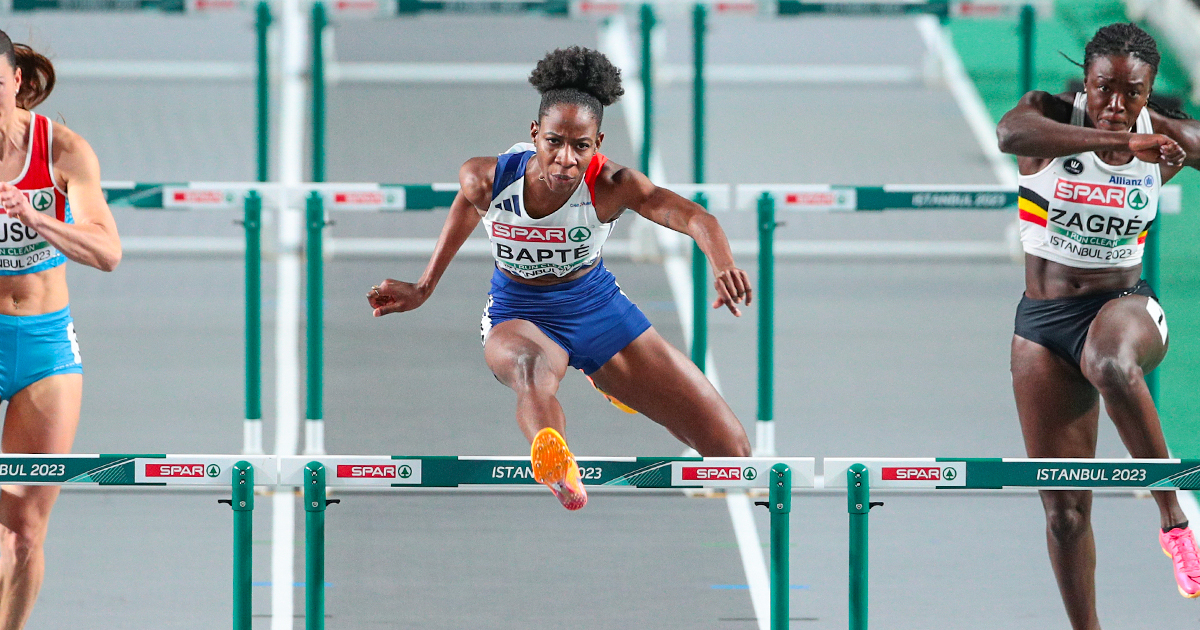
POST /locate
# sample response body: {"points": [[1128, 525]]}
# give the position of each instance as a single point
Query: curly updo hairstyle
{"points": [[37, 73], [579, 76]]}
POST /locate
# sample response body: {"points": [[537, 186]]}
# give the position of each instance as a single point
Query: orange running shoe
{"points": [[554, 465], [616, 403]]}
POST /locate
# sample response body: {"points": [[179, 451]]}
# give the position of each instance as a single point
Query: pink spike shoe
{"points": [[1180, 544], [554, 465]]}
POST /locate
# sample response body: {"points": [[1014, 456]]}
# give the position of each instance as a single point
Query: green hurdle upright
{"points": [[162, 471], [315, 476], [947, 473]]}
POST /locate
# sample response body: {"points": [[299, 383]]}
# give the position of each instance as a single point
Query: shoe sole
{"points": [[1181, 591], [551, 461], [549, 457]]}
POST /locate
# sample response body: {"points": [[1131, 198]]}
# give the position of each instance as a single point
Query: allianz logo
{"points": [[1130, 181]]}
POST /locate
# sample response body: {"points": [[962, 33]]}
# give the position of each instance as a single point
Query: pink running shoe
{"points": [[554, 465], [1181, 546]]}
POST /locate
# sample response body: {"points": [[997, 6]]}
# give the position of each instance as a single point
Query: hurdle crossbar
{"points": [[238, 473], [859, 475], [778, 475]]}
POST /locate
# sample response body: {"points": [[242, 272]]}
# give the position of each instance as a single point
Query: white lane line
{"points": [[617, 44]]}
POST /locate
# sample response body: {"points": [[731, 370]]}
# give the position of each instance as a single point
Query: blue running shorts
{"points": [[590, 317], [33, 347]]}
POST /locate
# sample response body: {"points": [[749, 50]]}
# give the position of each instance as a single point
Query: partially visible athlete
{"points": [[548, 208], [1092, 166], [53, 210]]}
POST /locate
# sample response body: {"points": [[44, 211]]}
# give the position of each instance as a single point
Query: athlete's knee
{"points": [[23, 541], [532, 371], [1113, 375], [1068, 518]]}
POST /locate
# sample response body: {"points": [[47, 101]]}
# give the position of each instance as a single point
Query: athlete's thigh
{"points": [[653, 377], [1125, 330], [42, 418], [516, 351], [1058, 408]]}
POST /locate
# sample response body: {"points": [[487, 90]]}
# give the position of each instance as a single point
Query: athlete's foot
{"points": [[612, 399], [554, 465], [1180, 544]]}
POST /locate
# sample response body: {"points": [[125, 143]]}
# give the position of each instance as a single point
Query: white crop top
{"points": [[567, 239], [1082, 212]]}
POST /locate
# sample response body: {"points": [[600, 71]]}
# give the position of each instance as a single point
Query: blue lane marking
{"points": [[746, 587], [295, 584]]}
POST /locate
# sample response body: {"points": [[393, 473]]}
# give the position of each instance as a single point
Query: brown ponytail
{"points": [[37, 76], [37, 73]]}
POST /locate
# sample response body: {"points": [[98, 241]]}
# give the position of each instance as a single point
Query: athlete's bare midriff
{"points": [[30, 293], [1048, 280]]}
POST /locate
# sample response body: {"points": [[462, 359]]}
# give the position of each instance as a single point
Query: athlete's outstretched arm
{"points": [[395, 296], [633, 190], [93, 239], [1038, 127]]}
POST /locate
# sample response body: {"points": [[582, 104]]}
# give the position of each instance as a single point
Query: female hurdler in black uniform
{"points": [[1091, 166]]}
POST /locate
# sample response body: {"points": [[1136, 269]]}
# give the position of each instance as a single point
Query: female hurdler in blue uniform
{"points": [[52, 209], [548, 208]]}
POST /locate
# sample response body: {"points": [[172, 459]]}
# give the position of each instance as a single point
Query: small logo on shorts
{"points": [[1073, 166], [579, 234]]}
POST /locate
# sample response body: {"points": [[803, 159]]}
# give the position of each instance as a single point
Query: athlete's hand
{"points": [[1157, 149], [394, 296], [14, 203], [733, 288]]}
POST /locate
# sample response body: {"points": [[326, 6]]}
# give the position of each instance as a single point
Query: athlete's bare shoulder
{"points": [[617, 188], [1057, 107], [475, 179], [73, 157]]}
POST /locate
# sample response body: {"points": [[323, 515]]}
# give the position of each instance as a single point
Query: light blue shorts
{"points": [[33, 347]]}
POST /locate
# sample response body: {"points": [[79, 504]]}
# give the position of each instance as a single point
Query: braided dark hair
{"points": [[579, 76], [1128, 39]]}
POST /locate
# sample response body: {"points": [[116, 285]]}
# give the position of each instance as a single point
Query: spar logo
{"points": [[1138, 199], [580, 234], [531, 234], [185, 471], [373, 471], [201, 197], [1092, 194], [718, 473], [41, 200], [919, 473]]}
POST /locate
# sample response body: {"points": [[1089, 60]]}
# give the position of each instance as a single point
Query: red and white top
{"points": [[567, 239], [22, 250], [1082, 212]]}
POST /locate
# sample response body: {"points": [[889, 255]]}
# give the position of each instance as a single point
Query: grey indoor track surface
{"points": [[873, 358]]}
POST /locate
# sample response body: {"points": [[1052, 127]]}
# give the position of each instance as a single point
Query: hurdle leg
{"points": [[242, 502], [858, 495], [314, 546], [781, 507]]}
